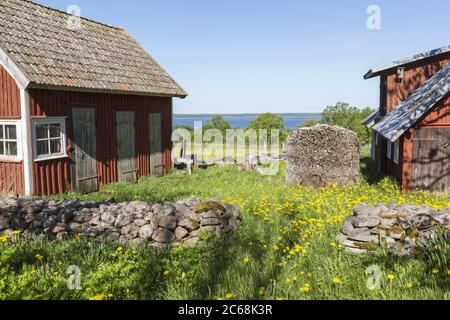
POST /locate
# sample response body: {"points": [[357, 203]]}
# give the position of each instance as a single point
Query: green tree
{"points": [[269, 121], [346, 116], [217, 122]]}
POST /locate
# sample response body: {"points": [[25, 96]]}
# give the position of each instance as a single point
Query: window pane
{"points": [[42, 148], [55, 146], [2, 148], [11, 132], [55, 131], [41, 131], [11, 148], [1, 132]]}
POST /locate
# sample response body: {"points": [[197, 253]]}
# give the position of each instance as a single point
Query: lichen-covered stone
{"points": [[133, 223]]}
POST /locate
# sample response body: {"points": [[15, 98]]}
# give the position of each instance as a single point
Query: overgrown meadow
{"points": [[285, 249]]}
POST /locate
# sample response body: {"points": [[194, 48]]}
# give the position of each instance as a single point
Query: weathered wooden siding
{"points": [[439, 117], [392, 93], [11, 173], [52, 177], [415, 76]]}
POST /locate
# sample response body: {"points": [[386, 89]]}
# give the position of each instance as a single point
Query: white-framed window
{"points": [[49, 138], [389, 150], [10, 140], [397, 152]]}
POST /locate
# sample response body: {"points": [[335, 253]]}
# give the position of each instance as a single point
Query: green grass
{"points": [[284, 250]]}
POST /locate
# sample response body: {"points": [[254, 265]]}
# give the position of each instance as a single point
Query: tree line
{"points": [[342, 114]]}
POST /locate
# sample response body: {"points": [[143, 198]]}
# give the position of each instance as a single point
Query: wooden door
{"points": [[431, 159], [84, 163], [126, 146], [156, 156]]}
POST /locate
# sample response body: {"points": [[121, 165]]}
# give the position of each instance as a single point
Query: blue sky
{"points": [[253, 56]]}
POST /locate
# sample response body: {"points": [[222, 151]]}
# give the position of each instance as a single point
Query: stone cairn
{"points": [[401, 228], [322, 155], [160, 225]]}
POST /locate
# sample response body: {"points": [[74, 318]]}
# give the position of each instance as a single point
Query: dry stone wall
{"points": [[160, 225], [399, 227]]}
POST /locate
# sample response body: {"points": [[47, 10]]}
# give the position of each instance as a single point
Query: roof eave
{"points": [[34, 85]]}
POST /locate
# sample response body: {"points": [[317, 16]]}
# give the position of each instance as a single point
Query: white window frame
{"points": [[19, 156], [49, 121], [397, 152], [389, 150]]}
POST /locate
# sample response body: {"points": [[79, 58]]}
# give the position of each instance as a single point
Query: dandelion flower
{"points": [[435, 270], [261, 291], [16, 232], [166, 273], [409, 285], [120, 249], [390, 276], [98, 297], [39, 256], [336, 280], [229, 296], [246, 260], [305, 289]]}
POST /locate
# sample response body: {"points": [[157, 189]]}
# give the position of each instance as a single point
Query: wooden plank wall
{"points": [[439, 117], [392, 93], [50, 177], [11, 173]]}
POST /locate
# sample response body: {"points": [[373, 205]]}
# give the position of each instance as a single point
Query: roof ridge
{"points": [[404, 61], [81, 17]]}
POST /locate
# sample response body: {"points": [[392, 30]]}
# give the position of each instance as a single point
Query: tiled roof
{"points": [[95, 57], [376, 71], [410, 111]]}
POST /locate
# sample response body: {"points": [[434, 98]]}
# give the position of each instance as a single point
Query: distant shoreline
{"points": [[241, 115]]}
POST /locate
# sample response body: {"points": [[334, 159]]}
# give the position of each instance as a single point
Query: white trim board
{"points": [[14, 70]]}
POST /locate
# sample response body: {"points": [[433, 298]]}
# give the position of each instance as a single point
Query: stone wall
{"points": [[400, 227], [161, 225], [321, 156]]}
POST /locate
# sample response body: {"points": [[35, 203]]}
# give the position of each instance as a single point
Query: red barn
{"points": [[82, 104], [411, 129]]}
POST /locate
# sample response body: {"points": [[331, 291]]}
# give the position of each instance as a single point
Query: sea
{"points": [[291, 121]]}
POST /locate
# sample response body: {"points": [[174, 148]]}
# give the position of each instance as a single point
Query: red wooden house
{"points": [[411, 129], [81, 104]]}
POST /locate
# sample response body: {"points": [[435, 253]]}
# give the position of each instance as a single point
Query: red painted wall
{"points": [[439, 117], [50, 177], [392, 93], [11, 173]]}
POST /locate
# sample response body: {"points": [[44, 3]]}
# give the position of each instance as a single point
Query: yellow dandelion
{"points": [[39, 256], [336, 280], [98, 297], [409, 285], [16, 232], [119, 249], [246, 260], [166, 273], [261, 291], [435, 270], [391, 276], [305, 289], [229, 296]]}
